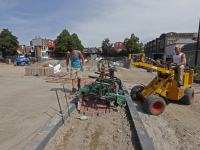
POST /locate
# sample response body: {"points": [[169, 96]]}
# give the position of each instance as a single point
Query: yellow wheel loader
{"points": [[163, 87]]}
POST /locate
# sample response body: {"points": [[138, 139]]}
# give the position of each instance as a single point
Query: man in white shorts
{"points": [[76, 66]]}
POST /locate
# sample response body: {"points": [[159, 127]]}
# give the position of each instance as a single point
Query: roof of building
{"points": [[119, 42], [184, 41]]}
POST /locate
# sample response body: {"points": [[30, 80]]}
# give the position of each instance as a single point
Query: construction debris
{"points": [[83, 118]]}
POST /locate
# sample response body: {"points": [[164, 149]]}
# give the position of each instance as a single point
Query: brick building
{"points": [[157, 48], [44, 49], [190, 51], [119, 46], [21, 48]]}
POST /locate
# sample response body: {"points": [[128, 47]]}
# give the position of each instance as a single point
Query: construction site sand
{"points": [[113, 130], [27, 104]]}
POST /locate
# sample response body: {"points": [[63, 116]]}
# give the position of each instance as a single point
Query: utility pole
{"points": [[197, 45]]}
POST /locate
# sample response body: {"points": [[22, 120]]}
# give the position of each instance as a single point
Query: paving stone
{"points": [[107, 110], [87, 113], [81, 110], [95, 112], [85, 108]]}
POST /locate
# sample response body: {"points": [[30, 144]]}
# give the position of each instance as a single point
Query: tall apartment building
{"points": [[157, 48], [39, 48]]}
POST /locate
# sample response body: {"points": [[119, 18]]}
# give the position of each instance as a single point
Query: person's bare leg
{"points": [[73, 83]]}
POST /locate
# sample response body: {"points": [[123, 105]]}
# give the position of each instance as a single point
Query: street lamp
{"points": [[196, 54]]}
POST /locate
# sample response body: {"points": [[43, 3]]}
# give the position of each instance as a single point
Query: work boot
{"points": [[180, 83], [79, 86], [73, 91]]}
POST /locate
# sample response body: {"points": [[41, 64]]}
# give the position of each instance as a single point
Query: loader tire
{"points": [[188, 98], [134, 90], [154, 105]]}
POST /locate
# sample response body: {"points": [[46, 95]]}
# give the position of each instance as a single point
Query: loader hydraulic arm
{"points": [[138, 60]]}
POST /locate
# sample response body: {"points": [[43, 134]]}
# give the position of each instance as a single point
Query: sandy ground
{"points": [[25, 109], [110, 131], [178, 127], [27, 104]]}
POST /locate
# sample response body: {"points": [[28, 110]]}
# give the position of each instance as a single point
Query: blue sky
{"points": [[95, 20]]}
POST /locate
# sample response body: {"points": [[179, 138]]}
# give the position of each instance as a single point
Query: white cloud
{"points": [[147, 19], [95, 20]]}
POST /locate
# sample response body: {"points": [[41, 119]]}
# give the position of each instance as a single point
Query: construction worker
{"points": [[76, 66], [178, 61]]}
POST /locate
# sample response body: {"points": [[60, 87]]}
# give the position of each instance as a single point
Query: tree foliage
{"points": [[133, 45], [65, 39], [8, 41], [106, 46], [76, 42]]}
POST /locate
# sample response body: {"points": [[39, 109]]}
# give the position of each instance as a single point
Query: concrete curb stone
{"points": [[142, 135], [40, 140]]}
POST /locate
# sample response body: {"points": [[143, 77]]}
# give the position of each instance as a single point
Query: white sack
{"points": [[57, 68]]}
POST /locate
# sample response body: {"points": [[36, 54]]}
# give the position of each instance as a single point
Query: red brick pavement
{"points": [[91, 107], [65, 80], [87, 106], [59, 74]]}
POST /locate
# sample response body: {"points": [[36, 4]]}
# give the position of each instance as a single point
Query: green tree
{"points": [[133, 45], [106, 46], [126, 40], [76, 42], [8, 42], [65, 39]]}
